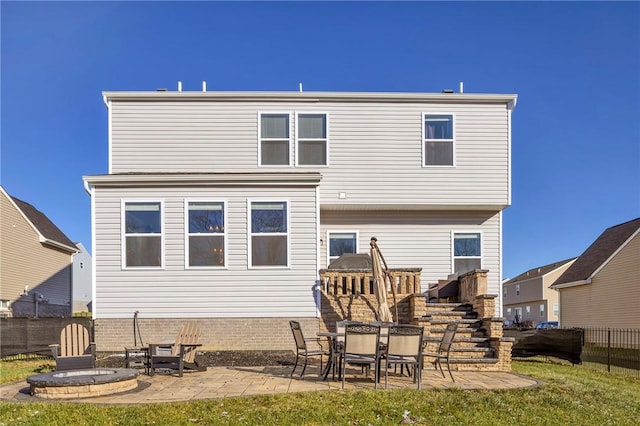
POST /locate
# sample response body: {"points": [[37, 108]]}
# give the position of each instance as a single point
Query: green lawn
{"points": [[569, 396]]}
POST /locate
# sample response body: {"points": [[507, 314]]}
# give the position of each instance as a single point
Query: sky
{"points": [[575, 67]]}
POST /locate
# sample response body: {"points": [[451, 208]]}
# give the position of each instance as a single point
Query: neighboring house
{"points": [[35, 262], [82, 280], [223, 206], [527, 298], [602, 287]]}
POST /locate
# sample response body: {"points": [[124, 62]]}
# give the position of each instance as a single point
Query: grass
{"points": [[569, 395], [15, 370]]}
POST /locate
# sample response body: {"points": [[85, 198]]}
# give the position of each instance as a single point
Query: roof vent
{"points": [[162, 89], [447, 91]]}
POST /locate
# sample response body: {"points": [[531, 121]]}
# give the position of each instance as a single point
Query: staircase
{"points": [[471, 350]]}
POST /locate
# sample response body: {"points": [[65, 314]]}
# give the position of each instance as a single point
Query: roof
{"points": [[42, 224], [539, 271], [166, 95], [598, 253]]}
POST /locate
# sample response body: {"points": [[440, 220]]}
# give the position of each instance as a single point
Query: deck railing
{"points": [[339, 282]]}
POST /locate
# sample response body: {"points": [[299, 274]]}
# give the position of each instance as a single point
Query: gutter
{"points": [[58, 245], [571, 284]]}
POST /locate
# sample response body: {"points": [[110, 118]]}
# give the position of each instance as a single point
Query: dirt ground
{"points": [[217, 359]]}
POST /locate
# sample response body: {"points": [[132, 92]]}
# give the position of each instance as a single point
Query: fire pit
{"points": [[83, 383]]}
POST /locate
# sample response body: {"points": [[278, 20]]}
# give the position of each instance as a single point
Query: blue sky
{"points": [[575, 67]]}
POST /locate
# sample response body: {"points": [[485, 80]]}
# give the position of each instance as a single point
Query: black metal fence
{"points": [[613, 350]]}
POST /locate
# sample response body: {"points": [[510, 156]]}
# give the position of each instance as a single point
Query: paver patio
{"points": [[226, 382]]}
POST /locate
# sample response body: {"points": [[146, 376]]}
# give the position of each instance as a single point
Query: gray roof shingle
{"points": [[598, 252], [42, 223], [538, 272]]}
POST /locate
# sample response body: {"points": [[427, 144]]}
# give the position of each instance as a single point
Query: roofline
{"points": [[509, 99], [41, 238], [615, 253], [571, 284], [564, 263], [203, 179]]}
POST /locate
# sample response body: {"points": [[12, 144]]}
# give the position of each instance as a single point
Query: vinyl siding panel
{"points": [[375, 148], [612, 298], [419, 239], [24, 261], [235, 291]]}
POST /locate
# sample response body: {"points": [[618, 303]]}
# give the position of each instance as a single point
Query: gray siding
{"points": [[420, 239], [375, 148], [236, 291]]}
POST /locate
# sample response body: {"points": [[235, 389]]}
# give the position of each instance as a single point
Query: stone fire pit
{"points": [[83, 383]]}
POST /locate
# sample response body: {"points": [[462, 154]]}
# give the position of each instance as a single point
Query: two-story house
{"points": [[35, 262], [528, 299], [222, 207]]}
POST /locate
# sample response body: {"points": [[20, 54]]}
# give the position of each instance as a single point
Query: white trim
{"points": [[109, 135], [571, 284], [340, 231], [123, 235], [94, 244], [411, 97], [318, 292], [206, 179], [297, 138], [500, 306], [509, 159], [452, 140], [466, 231], [289, 144], [250, 234], [224, 234]]}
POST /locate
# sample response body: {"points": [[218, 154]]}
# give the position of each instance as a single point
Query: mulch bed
{"points": [[218, 359]]}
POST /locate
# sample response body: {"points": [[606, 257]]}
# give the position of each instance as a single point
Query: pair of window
{"points": [[276, 142], [205, 234]]}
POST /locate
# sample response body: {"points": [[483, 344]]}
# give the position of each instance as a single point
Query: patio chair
{"points": [[361, 346], [302, 349], [178, 355], [444, 349], [404, 347], [75, 350]]}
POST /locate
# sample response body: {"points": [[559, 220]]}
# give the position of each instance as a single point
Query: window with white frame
{"points": [[206, 233], [341, 243], [142, 239], [269, 231], [517, 289], [311, 137], [467, 251], [528, 310], [275, 141], [556, 309], [438, 143], [542, 310]]}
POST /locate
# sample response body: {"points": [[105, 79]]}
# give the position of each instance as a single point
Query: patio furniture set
{"points": [[375, 344]]}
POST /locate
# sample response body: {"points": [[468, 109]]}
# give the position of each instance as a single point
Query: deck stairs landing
{"points": [[471, 350]]}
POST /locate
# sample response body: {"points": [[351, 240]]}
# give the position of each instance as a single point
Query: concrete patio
{"points": [[229, 382]]}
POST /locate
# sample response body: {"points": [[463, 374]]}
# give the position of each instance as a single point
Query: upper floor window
{"points": [[311, 139], [438, 140], [467, 252], [142, 234], [206, 233], [275, 142], [341, 243], [269, 229], [517, 289]]}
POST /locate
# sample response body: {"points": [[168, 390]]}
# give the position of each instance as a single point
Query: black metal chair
{"points": [[302, 349], [444, 349]]}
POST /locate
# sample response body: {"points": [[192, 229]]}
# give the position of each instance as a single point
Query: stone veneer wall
{"points": [[224, 334]]}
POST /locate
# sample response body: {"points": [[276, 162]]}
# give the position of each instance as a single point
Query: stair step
{"points": [[437, 321], [473, 360]]}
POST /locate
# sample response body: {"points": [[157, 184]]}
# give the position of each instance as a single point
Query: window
{"points": [[504, 291], [556, 310], [528, 309], [517, 289], [340, 243], [142, 234], [542, 310], [466, 252], [312, 139], [438, 140], [508, 310], [274, 140], [4, 304], [205, 234], [269, 240]]}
